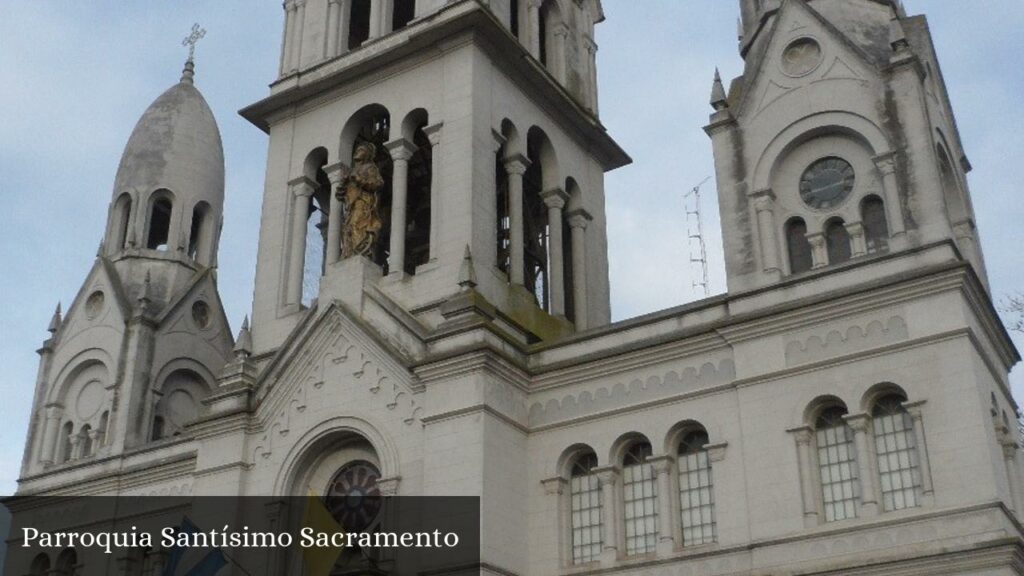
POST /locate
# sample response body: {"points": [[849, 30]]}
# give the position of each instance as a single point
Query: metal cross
{"points": [[192, 39]]}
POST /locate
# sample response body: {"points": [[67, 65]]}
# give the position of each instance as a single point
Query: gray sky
{"points": [[77, 75]]}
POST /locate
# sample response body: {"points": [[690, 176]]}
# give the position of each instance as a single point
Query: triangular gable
{"points": [[793, 18], [333, 336], [102, 276], [174, 316]]}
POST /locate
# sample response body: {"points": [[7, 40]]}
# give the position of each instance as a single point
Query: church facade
{"points": [[431, 311]]}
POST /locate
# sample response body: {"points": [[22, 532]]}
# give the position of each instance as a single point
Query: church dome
{"points": [[175, 146]]}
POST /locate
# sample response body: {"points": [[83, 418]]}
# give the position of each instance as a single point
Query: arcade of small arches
{"points": [[163, 223], [850, 465], [65, 564], [77, 423], [543, 26]]}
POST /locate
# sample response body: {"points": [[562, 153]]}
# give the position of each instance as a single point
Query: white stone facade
{"points": [[843, 409]]}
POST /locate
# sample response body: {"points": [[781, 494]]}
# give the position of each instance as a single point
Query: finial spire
{"points": [[56, 321], [243, 346], [718, 98], [467, 275], [198, 33]]}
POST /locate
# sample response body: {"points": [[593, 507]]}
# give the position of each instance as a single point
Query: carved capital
{"points": [[716, 452], [433, 133], [302, 186], [517, 164], [606, 475], [554, 486], [389, 486], [764, 200], [401, 150], [54, 411], [857, 422], [337, 172], [579, 218], [855, 229], [554, 198], [499, 140], [914, 409], [662, 464], [886, 163], [802, 435]]}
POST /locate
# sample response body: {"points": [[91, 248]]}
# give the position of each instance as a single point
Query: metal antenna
{"points": [[695, 231]]}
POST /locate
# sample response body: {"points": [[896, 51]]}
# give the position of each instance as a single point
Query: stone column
{"points": [[819, 252], [401, 151], [886, 164], [76, 447], [344, 22], [333, 27], [858, 245], [591, 48], [301, 190], [433, 134], [516, 166], [914, 409], [1010, 448], [764, 204], [578, 220], [289, 37], [608, 476], [336, 173], [51, 432], [663, 468], [868, 498], [555, 200], [300, 30], [554, 488], [557, 57], [533, 25], [808, 484], [376, 19]]}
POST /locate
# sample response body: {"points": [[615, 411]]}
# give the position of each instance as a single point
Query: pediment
{"points": [[100, 302], [803, 50], [331, 366], [197, 310]]}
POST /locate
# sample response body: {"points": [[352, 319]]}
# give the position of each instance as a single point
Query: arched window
{"points": [[402, 13], [65, 441], [197, 233], [40, 565], [159, 223], [503, 241], [316, 226], [896, 450], [549, 21], [67, 562], [585, 508], [837, 464], [513, 19], [535, 223], [417, 216], [876, 229], [799, 248], [101, 436], [122, 221], [158, 428], [640, 499], [358, 23], [837, 240], [85, 439], [696, 499]]}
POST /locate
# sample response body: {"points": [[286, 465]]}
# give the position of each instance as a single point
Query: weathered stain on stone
{"points": [[893, 126]]}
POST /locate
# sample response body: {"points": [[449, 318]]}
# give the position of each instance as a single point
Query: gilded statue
{"points": [[359, 196]]}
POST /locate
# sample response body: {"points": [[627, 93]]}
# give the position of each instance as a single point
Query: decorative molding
{"points": [[853, 339], [620, 395]]}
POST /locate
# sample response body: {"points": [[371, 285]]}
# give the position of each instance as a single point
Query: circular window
{"points": [[201, 314], [801, 57], [94, 304], [826, 183], [353, 497]]}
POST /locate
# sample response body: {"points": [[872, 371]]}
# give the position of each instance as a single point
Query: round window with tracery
{"points": [[353, 496]]}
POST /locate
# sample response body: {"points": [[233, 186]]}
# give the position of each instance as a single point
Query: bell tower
{"points": [[838, 146], [408, 137], [146, 336]]}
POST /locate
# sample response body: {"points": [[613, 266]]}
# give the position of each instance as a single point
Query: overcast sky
{"points": [[76, 76]]}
